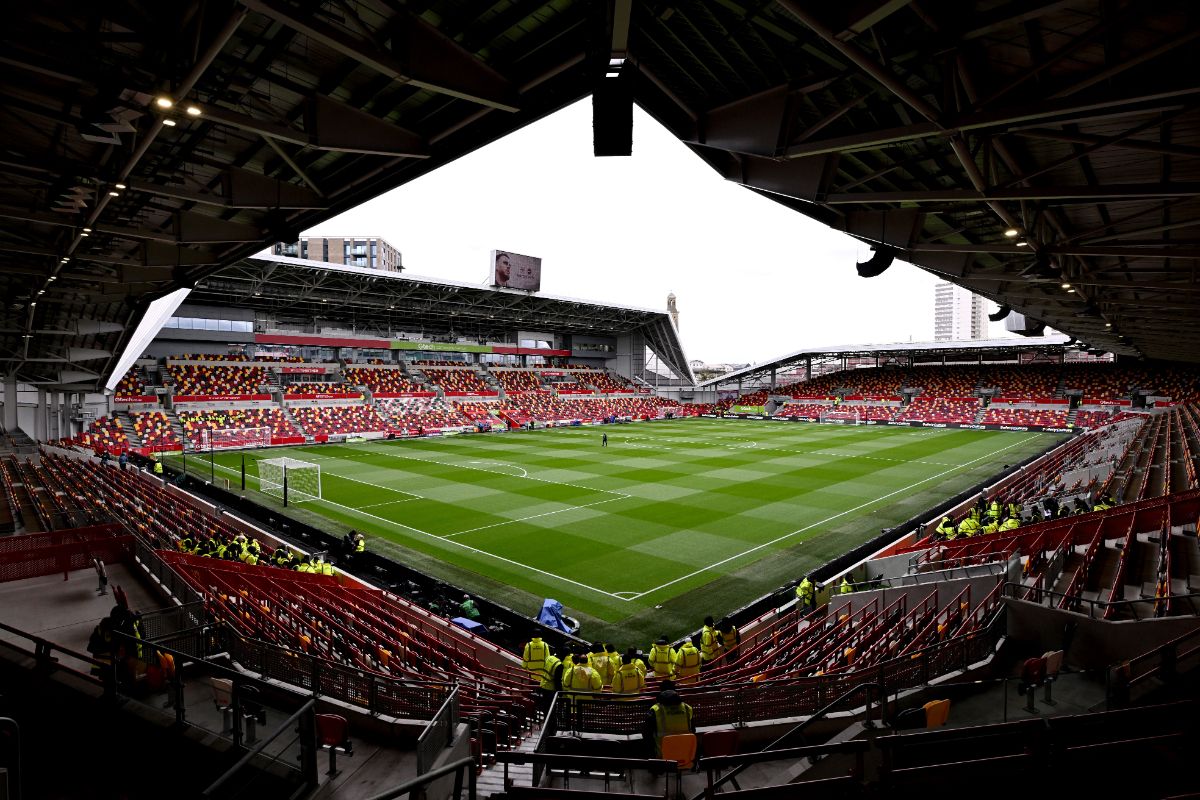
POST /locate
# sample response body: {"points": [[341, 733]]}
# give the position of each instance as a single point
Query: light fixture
{"points": [[876, 264], [1022, 244], [120, 186], [84, 233], [41, 291], [193, 111], [1012, 233], [114, 193], [612, 74], [52, 278], [170, 123], [65, 259], [1066, 286], [1070, 291], [163, 102], [34, 303], [87, 230]]}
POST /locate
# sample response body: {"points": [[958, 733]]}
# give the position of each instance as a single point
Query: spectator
{"points": [[468, 608]]}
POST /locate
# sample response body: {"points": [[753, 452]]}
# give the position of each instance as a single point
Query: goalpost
{"points": [[290, 479], [842, 416], [228, 438]]}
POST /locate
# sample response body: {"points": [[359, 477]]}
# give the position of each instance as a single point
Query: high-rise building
{"points": [[353, 251], [958, 314]]}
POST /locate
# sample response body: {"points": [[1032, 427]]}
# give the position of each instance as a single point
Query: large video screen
{"points": [[515, 271]]}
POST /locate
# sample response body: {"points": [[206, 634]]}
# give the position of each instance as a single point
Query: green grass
{"points": [[672, 521]]}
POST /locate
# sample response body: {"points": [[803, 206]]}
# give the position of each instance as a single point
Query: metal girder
{"points": [[420, 55], [752, 125], [1048, 193], [1062, 111]]}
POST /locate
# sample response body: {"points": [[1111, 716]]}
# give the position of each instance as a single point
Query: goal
{"points": [[225, 438], [290, 479], [841, 416]]}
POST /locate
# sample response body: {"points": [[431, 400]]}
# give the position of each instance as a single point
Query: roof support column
{"points": [[10, 402], [41, 417]]}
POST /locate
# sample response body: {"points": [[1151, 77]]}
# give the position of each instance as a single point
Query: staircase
{"points": [[135, 439]]}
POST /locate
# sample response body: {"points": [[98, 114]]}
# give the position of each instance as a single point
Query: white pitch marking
{"points": [[494, 472], [524, 472], [357, 480], [824, 521], [476, 550], [533, 516], [389, 502]]}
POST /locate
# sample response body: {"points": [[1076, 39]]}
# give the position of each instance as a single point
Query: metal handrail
{"points": [[308, 707], [1010, 590], [446, 715], [865, 688], [457, 767]]}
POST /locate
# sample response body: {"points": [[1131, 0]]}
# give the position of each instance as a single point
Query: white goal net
{"points": [[841, 416], [290, 479], [225, 438]]}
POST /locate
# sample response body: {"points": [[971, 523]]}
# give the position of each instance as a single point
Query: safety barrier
{"points": [[741, 704]]}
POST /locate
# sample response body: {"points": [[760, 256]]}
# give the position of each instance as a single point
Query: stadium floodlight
{"points": [[878, 263], [290, 479], [1012, 233]]}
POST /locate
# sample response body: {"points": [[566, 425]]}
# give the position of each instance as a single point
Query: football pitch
{"points": [[671, 521]]}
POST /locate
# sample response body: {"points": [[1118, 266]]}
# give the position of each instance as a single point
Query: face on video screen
{"points": [[515, 271]]}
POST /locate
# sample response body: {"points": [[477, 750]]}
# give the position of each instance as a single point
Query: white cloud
{"points": [[753, 279]]}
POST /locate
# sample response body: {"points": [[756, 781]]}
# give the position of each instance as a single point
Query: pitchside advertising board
{"points": [[514, 271]]}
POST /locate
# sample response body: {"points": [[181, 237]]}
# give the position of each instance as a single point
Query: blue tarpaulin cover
{"points": [[471, 625], [551, 615]]}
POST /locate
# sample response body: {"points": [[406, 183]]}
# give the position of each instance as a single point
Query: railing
{"points": [[1017, 591], [742, 704], [306, 736], [549, 730], [438, 734], [1162, 661], [865, 689], [43, 655], [593, 765], [459, 768], [714, 765]]}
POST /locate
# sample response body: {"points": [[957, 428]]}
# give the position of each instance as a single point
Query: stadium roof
{"points": [[973, 346], [931, 128], [298, 290]]}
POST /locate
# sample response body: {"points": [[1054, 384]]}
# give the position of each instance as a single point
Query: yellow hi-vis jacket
{"points": [[662, 660], [689, 661]]}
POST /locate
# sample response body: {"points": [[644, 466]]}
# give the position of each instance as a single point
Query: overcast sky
{"points": [[753, 279]]}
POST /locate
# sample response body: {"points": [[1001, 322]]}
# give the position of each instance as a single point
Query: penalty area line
{"points": [[475, 550]]}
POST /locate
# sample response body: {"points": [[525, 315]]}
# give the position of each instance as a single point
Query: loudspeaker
{"points": [[612, 118]]}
